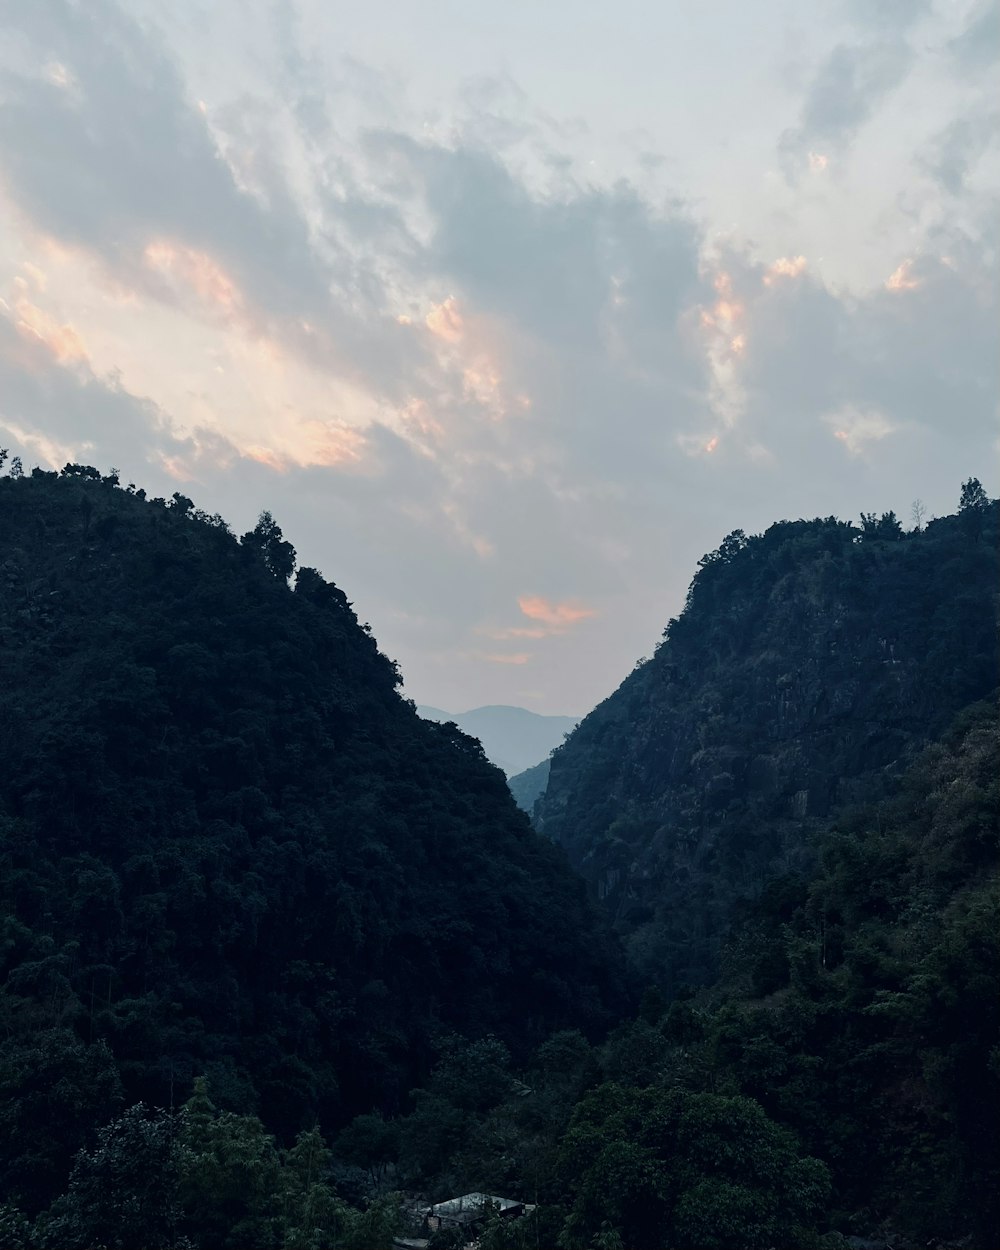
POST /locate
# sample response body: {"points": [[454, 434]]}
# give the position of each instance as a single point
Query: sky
{"points": [[506, 312]]}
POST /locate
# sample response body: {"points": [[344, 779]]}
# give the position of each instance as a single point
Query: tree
{"points": [[230, 1175], [313, 1216], [918, 510], [972, 507], [973, 495], [671, 1168], [371, 1143], [124, 1192], [886, 527], [267, 538]]}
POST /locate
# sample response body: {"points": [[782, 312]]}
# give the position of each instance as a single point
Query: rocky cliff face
{"points": [[808, 665]]}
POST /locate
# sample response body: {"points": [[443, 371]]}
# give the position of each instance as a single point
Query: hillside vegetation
{"points": [[231, 849], [274, 948], [809, 664]]}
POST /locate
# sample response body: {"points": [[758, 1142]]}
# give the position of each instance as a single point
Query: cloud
{"points": [[856, 429], [454, 365], [57, 409], [445, 320], [557, 616], [902, 277], [953, 154], [186, 272], [843, 95], [503, 633], [978, 46], [784, 267], [892, 15], [63, 341], [129, 168]]}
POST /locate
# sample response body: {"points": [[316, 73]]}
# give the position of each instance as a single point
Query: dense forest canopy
{"points": [[231, 849], [275, 949], [809, 664]]}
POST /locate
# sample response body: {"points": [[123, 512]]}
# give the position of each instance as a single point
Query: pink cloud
{"points": [[557, 616], [902, 278], [189, 270], [39, 326], [445, 321]]}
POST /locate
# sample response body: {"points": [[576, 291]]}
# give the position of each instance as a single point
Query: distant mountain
{"points": [[529, 786], [512, 737]]}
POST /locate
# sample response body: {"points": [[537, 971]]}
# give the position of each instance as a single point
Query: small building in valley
{"points": [[470, 1209]]}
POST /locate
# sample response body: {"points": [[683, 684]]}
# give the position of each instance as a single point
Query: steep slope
{"points": [[229, 846], [529, 786], [512, 737], [860, 1007], [808, 664]]}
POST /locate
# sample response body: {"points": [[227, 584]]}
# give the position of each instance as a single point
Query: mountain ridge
{"points": [[514, 738], [231, 848], [808, 664]]}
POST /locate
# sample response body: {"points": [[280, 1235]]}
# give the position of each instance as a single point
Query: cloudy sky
{"points": [[506, 311]]}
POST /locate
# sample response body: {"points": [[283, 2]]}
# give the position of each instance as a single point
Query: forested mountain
{"points": [[529, 786], [274, 947], [230, 849], [808, 666], [513, 737]]}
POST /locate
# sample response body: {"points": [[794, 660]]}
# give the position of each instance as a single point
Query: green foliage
{"points": [[124, 1192], [810, 664], [371, 1143], [878, 1045], [267, 539], [668, 1168], [230, 847], [201, 1177]]}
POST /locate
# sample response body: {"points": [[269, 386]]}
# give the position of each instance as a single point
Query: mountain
{"points": [[858, 1003], [529, 786], [231, 848], [249, 897], [809, 665], [512, 737]]}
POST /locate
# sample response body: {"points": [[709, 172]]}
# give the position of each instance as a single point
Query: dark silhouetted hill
{"points": [[809, 665], [230, 848]]}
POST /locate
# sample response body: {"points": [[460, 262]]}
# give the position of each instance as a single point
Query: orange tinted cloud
{"points": [[61, 340], [309, 443], [445, 321], [556, 615], [518, 657], [696, 444], [818, 162], [470, 350], [270, 459], [482, 383], [187, 269], [727, 309], [902, 278], [785, 267]]}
